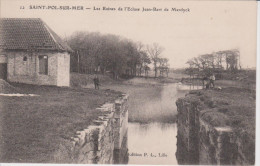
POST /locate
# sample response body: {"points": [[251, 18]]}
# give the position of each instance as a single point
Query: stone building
{"points": [[30, 52]]}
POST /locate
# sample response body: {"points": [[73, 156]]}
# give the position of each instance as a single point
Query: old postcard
{"points": [[128, 82]]}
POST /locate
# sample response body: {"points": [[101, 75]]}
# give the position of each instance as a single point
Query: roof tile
{"points": [[29, 33]]}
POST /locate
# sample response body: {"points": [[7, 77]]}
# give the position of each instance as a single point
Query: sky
{"points": [[208, 26]]}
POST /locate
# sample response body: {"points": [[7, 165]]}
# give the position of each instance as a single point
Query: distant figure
{"points": [[207, 85], [96, 82], [212, 80], [205, 82]]}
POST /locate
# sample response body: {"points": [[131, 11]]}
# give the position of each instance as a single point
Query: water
{"points": [[188, 87], [155, 142]]}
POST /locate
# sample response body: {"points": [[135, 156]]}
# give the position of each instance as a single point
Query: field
{"points": [[33, 127]]}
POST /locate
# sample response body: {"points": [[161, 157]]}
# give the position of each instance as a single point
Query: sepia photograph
{"points": [[138, 82]]}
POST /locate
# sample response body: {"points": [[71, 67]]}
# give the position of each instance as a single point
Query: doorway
{"points": [[3, 71]]}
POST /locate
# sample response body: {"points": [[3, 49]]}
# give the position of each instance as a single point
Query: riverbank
{"points": [[234, 107], [33, 127], [241, 79], [144, 101], [86, 80], [150, 98], [37, 125], [223, 121], [37, 119], [150, 101]]}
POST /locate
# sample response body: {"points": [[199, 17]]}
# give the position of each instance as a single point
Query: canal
{"points": [[152, 138]]}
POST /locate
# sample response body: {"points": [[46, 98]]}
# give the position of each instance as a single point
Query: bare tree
{"points": [[207, 63], [232, 59], [155, 51], [139, 46], [164, 66], [219, 60]]}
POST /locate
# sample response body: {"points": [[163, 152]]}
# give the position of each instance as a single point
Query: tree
{"points": [[219, 59], [87, 47], [232, 59], [143, 61], [97, 53], [155, 51], [163, 66], [208, 63]]}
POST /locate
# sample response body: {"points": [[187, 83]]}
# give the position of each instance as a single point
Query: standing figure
{"points": [[96, 82], [204, 82], [212, 80]]}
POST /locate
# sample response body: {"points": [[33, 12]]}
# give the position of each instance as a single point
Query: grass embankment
{"points": [[6, 88], [241, 79], [32, 128], [233, 107], [86, 80]]}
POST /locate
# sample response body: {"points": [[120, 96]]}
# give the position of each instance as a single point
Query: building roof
{"points": [[29, 33]]}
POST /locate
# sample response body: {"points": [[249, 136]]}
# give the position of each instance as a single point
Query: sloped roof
{"points": [[29, 33]]}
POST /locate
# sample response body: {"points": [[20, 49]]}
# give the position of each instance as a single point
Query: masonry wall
{"points": [[187, 135], [3, 58], [63, 73], [104, 142], [198, 142], [28, 71]]}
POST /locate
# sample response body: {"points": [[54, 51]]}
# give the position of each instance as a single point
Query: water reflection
{"points": [[121, 155], [188, 87], [152, 143], [155, 143]]}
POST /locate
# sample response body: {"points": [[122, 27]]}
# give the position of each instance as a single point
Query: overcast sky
{"points": [[209, 26]]}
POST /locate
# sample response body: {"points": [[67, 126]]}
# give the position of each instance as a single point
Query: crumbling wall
{"points": [[104, 142], [199, 142], [187, 136]]}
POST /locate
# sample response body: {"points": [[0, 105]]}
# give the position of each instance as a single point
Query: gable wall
{"points": [[63, 75]]}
